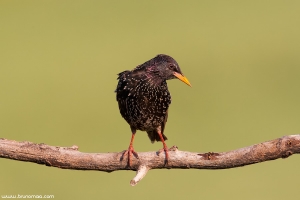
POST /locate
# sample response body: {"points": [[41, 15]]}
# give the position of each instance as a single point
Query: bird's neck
{"points": [[154, 80]]}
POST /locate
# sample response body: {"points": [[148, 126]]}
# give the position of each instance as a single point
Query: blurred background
{"points": [[58, 66]]}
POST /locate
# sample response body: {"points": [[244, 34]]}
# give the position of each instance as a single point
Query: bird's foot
{"points": [[166, 150], [128, 153]]}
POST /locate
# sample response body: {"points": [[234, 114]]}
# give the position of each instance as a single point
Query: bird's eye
{"points": [[172, 67]]}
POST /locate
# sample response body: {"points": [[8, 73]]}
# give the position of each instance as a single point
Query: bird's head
{"points": [[167, 68]]}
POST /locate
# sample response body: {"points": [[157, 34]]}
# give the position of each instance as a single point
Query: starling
{"points": [[144, 98]]}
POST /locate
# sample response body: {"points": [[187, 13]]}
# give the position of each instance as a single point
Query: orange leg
{"points": [[165, 148], [130, 150]]}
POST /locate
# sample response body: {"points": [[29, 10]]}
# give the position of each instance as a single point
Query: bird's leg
{"points": [[165, 148], [130, 150]]}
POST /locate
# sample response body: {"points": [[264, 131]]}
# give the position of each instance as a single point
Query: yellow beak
{"points": [[182, 78]]}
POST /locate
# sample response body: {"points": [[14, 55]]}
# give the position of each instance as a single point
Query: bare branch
{"points": [[140, 174], [71, 158]]}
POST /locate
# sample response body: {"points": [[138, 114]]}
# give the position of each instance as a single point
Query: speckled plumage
{"points": [[143, 95]]}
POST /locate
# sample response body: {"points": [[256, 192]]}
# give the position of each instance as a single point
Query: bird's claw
{"points": [[128, 153], [166, 150]]}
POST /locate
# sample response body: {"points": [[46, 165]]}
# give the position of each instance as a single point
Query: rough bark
{"points": [[71, 158]]}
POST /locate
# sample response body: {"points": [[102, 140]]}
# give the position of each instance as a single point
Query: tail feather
{"points": [[153, 136]]}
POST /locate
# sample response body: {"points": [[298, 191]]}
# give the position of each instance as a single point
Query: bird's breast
{"points": [[144, 108]]}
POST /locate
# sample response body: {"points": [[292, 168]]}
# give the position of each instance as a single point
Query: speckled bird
{"points": [[144, 98]]}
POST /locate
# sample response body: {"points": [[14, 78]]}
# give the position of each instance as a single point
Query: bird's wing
{"points": [[120, 90], [122, 93], [164, 122], [153, 135]]}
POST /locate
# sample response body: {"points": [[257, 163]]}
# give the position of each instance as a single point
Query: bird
{"points": [[143, 99]]}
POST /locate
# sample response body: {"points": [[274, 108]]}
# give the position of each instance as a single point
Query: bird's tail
{"points": [[153, 136]]}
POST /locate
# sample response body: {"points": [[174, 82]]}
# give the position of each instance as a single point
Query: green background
{"points": [[58, 66]]}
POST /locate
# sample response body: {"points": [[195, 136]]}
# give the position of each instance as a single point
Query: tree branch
{"points": [[71, 158]]}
